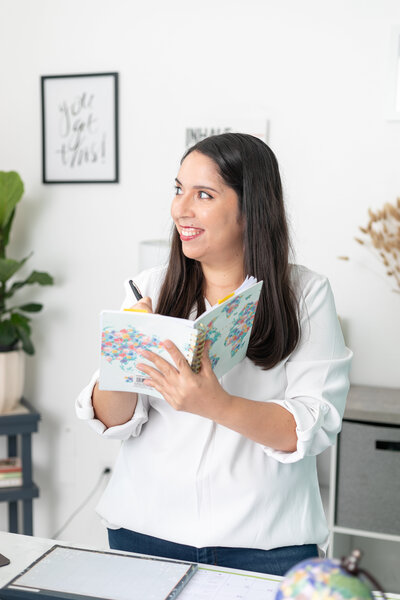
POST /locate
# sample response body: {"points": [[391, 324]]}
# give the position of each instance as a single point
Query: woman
{"points": [[224, 472]]}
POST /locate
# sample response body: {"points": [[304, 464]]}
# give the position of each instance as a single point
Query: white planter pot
{"points": [[12, 376]]}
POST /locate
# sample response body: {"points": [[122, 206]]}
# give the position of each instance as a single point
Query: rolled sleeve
{"points": [[132, 428], [317, 377]]}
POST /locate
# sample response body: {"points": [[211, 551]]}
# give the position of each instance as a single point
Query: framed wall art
{"points": [[80, 128]]}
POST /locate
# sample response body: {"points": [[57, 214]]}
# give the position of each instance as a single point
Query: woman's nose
{"points": [[184, 205]]}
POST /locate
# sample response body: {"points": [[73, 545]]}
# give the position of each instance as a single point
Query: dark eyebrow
{"points": [[199, 187]]}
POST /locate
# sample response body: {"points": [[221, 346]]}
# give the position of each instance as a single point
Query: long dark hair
{"points": [[249, 166]]}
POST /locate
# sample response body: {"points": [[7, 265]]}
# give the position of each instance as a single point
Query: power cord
{"points": [[105, 471]]}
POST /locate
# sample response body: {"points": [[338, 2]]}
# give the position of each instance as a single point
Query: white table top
{"points": [[208, 583]]}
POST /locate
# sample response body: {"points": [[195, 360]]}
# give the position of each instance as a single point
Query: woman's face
{"points": [[206, 213]]}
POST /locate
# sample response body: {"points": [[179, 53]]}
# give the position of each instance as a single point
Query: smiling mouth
{"points": [[190, 233]]}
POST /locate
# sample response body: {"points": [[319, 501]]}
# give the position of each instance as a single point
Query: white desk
{"points": [[209, 583]]}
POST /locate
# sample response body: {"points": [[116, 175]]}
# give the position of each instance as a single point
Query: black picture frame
{"points": [[80, 125]]}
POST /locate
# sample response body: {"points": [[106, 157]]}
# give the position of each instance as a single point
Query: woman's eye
{"points": [[178, 190], [204, 196]]}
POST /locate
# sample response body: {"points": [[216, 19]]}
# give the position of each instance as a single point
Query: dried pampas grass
{"points": [[382, 237]]}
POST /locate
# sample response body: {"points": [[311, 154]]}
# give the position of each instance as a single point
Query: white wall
{"points": [[317, 70]]}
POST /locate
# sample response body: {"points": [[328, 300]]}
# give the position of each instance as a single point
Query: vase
{"points": [[12, 376]]}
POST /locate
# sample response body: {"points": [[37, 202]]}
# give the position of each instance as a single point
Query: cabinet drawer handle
{"points": [[387, 445]]}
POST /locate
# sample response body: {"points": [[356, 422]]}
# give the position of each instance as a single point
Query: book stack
{"points": [[10, 472]]}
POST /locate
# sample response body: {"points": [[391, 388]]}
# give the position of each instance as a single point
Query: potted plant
{"points": [[15, 330]]}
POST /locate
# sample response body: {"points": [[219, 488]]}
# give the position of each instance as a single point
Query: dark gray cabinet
{"points": [[368, 477]]}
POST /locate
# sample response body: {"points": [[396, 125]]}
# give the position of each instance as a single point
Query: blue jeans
{"points": [[274, 562]]}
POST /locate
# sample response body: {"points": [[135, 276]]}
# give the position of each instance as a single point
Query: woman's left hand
{"points": [[197, 393]]}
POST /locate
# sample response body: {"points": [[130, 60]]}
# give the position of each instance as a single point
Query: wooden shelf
{"points": [[19, 493]]}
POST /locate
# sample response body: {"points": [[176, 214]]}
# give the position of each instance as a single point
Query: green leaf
{"points": [[11, 190], [5, 234], [21, 324], [27, 345], [40, 277], [15, 286], [8, 333], [9, 266], [32, 307], [35, 277]]}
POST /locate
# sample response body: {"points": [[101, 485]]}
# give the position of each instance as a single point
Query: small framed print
{"points": [[80, 128], [202, 128]]}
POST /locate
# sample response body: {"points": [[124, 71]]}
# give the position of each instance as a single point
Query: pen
{"points": [[135, 290]]}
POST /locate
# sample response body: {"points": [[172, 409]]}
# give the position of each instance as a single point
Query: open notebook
{"points": [[65, 573], [228, 325]]}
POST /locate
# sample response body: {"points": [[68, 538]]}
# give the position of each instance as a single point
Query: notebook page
{"points": [[223, 584], [228, 326], [123, 333]]}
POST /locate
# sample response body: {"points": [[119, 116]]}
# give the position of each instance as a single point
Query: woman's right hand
{"points": [[143, 304]]}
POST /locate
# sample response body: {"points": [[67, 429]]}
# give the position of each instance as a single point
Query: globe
{"points": [[322, 579]]}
